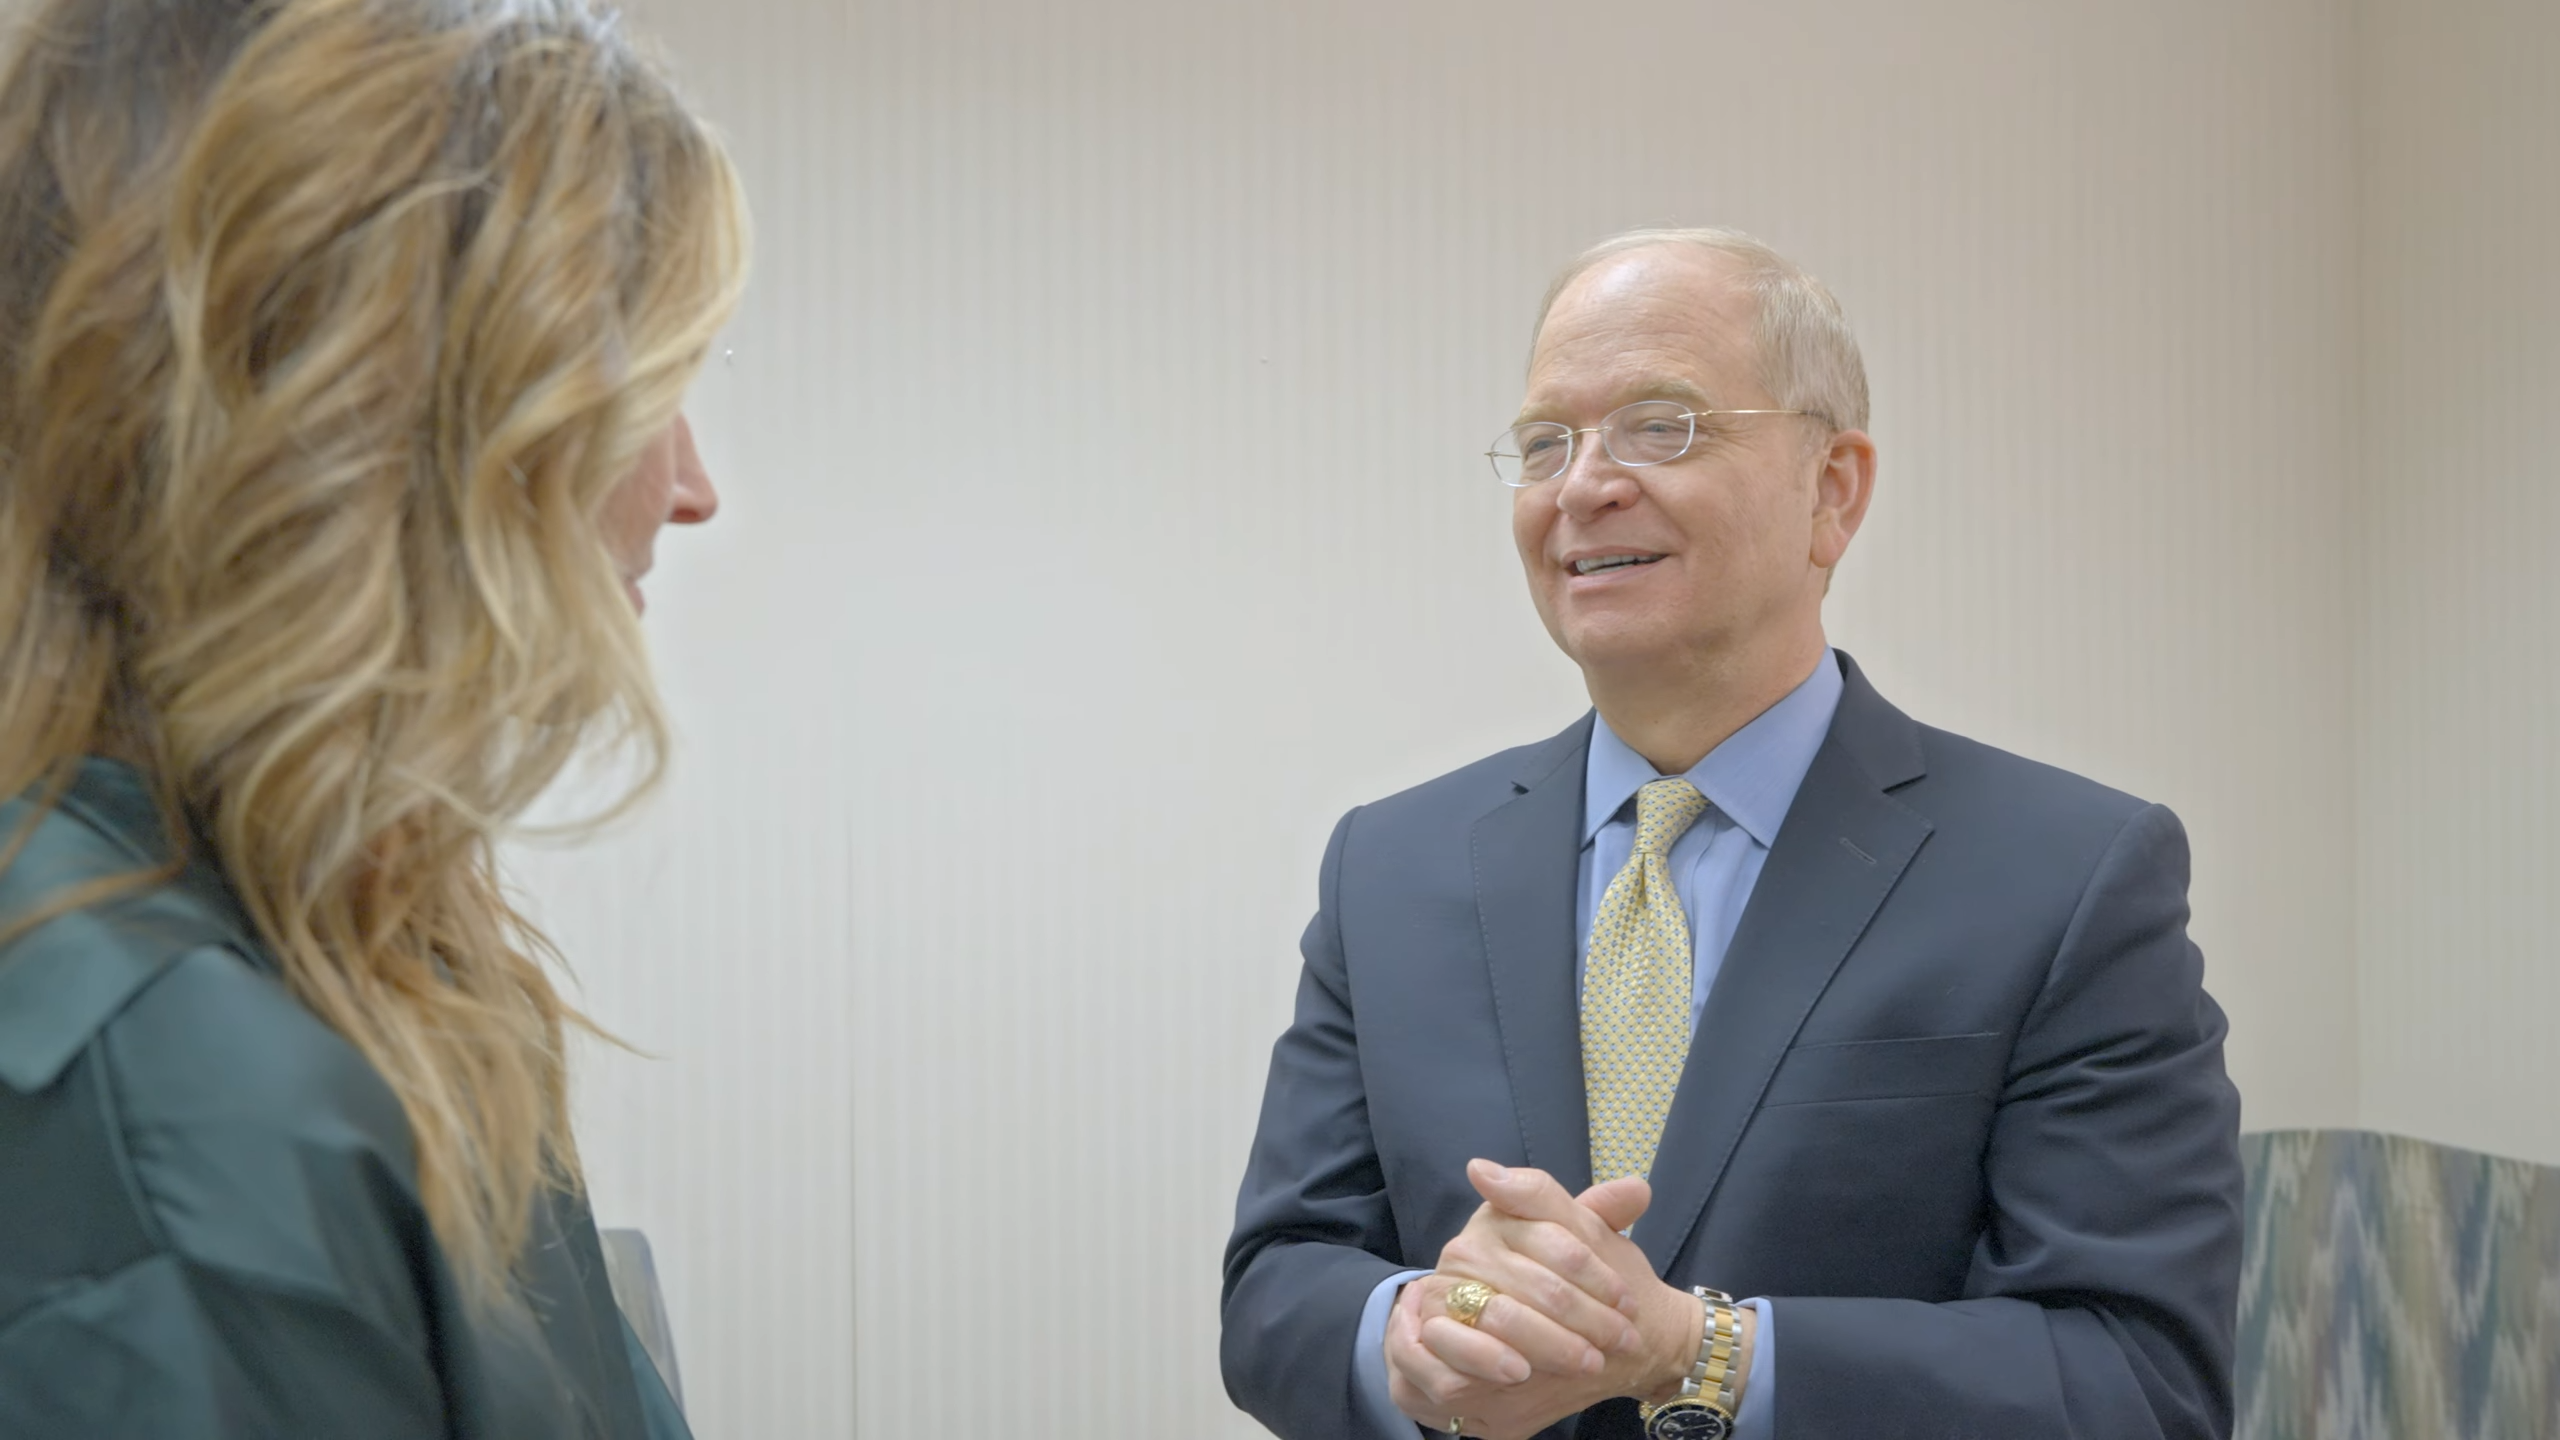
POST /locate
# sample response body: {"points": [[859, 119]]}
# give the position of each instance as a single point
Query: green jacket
{"points": [[209, 1212]]}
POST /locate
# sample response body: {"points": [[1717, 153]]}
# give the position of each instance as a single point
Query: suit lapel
{"points": [[1843, 847], [1526, 855]]}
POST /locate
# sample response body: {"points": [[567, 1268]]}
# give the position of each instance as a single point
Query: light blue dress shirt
{"points": [[1750, 782]]}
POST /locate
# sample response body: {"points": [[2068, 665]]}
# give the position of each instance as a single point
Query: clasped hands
{"points": [[1578, 1315]]}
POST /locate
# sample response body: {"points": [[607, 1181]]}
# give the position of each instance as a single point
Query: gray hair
{"points": [[1808, 358]]}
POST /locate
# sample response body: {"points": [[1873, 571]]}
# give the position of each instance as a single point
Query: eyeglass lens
{"points": [[1649, 432]]}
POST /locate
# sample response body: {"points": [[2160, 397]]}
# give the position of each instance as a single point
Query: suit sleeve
{"points": [[1314, 1234], [2101, 1300]]}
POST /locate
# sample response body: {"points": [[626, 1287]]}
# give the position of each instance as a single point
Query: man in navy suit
{"points": [[1895, 1036]]}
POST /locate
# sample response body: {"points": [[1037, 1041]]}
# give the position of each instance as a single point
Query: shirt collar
{"points": [[1751, 778]]}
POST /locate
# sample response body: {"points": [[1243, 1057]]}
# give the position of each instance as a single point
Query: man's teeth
{"points": [[1611, 562]]}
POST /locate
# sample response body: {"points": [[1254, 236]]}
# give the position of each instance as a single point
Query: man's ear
{"points": [[1842, 486]]}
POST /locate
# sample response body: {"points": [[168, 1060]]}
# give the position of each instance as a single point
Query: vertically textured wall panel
{"points": [[2458, 750], [1105, 516]]}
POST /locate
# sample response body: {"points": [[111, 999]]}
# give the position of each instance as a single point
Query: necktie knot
{"points": [[1665, 809]]}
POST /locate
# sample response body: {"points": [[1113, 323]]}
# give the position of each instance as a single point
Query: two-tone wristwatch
{"points": [[1703, 1410]]}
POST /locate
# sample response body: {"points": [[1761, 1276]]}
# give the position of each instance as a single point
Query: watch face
{"points": [[1688, 1421]]}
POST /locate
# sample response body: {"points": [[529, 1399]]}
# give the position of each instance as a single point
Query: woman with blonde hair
{"points": [[342, 344]]}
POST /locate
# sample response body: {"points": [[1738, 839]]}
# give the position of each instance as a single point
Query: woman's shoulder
{"points": [[98, 911], [212, 1209], [163, 1093]]}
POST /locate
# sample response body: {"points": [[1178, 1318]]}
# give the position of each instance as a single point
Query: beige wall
{"points": [[2458, 675], [1106, 516]]}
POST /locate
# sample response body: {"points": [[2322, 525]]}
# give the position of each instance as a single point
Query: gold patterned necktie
{"points": [[1635, 990]]}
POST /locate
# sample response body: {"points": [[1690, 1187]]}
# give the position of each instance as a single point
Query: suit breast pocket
{"points": [[1913, 1068], [1863, 1165]]}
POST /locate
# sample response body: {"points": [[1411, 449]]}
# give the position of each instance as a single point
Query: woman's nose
{"points": [[695, 499]]}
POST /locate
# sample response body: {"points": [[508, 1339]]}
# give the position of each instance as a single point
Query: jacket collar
{"points": [[64, 979]]}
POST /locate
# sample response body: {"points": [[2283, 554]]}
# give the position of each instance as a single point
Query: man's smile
{"points": [[1611, 562], [1591, 564]]}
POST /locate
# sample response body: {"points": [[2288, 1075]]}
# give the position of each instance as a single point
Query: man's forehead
{"points": [[1554, 397], [1647, 325]]}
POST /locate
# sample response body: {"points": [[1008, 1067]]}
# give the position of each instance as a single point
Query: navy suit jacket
{"points": [[1956, 1105]]}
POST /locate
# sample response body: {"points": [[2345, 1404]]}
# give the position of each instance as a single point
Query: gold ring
{"points": [[1465, 1302], [1457, 1425]]}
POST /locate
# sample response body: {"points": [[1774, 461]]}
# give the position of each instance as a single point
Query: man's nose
{"points": [[1593, 481], [695, 499]]}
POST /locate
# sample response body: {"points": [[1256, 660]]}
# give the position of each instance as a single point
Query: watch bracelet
{"points": [[1719, 1346]]}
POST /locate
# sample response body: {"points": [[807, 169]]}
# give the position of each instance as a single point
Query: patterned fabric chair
{"points": [[633, 1272], [2397, 1290]]}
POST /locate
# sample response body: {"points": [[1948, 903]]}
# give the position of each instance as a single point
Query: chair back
{"points": [[633, 1273], [2394, 1289]]}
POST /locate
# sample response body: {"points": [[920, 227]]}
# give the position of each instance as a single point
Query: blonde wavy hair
{"points": [[327, 327]]}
